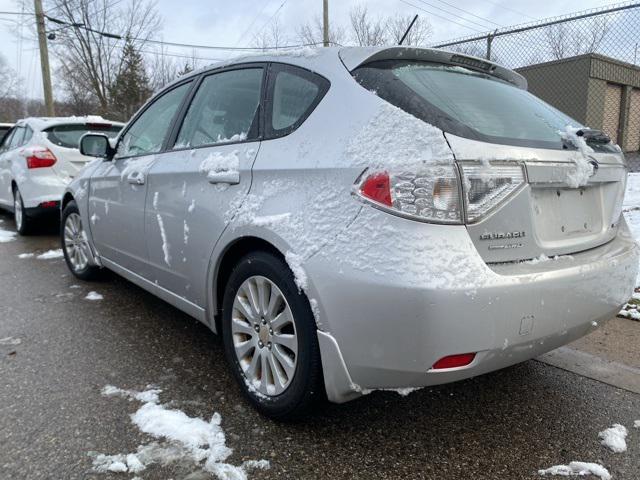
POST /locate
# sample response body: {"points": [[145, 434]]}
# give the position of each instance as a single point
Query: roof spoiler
{"points": [[355, 57]]}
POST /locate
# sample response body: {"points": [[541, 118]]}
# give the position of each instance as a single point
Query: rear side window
{"points": [[148, 132], [16, 138], [69, 135], [466, 103], [294, 94], [225, 109]]}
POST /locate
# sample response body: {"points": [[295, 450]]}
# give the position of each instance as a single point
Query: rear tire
{"points": [[24, 223], [75, 244], [286, 379]]}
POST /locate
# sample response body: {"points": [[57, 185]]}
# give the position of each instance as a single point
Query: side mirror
{"points": [[96, 145]]}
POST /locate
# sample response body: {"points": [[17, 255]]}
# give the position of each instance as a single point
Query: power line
{"points": [[470, 13], [271, 18], [454, 14], [440, 16], [252, 22], [510, 9], [176, 44]]}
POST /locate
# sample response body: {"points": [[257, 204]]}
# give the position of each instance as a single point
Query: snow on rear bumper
{"points": [[398, 295]]}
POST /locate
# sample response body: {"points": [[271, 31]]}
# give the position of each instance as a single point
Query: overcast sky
{"points": [[225, 23]]}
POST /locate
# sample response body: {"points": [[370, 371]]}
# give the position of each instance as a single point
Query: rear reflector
{"points": [[377, 187], [50, 204], [453, 361], [40, 158]]}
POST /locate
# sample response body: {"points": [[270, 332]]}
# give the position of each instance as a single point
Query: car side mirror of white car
{"points": [[96, 145]]}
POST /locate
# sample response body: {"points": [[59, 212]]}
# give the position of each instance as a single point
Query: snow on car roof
{"points": [[42, 123]]}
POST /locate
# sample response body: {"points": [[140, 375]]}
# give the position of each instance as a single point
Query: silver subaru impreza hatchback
{"points": [[354, 219]]}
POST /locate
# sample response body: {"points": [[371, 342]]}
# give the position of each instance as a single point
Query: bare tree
{"points": [[270, 37], [311, 33], [418, 35], [367, 31], [8, 80], [564, 41], [90, 61]]}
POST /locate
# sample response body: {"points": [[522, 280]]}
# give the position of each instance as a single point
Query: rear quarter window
{"points": [[293, 95]]}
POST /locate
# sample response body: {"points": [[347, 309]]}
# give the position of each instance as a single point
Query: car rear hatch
{"points": [[535, 183], [63, 140], [547, 215]]}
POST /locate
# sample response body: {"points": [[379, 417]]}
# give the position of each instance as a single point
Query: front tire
{"points": [[24, 223], [270, 338], [75, 244]]}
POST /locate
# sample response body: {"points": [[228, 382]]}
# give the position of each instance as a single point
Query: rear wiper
{"points": [[594, 136]]}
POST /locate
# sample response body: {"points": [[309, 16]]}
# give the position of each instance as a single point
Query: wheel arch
{"points": [[66, 198], [229, 257]]}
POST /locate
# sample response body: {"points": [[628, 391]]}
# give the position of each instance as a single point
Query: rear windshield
{"points": [[466, 103], [69, 135]]}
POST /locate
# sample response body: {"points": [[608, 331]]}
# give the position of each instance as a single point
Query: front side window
{"points": [[147, 134], [466, 103], [225, 109]]}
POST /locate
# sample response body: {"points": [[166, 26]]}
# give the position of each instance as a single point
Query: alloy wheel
{"points": [[76, 243], [17, 210], [264, 336]]}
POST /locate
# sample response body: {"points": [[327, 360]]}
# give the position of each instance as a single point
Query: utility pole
{"points": [[325, 23], [44, 58]]}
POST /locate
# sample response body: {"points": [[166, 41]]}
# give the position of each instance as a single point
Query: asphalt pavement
{"points": [[505, 425]]}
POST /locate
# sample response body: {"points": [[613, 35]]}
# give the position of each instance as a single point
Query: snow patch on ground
{"points": [[7, 236], [179, 438], [57, 253], [26, 255], [575, 469], [93, 296], [10, 341], [614, 438]]}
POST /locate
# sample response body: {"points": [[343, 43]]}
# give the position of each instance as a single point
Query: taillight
{"points": [[431, 194], [40, 158], [486, 186]]}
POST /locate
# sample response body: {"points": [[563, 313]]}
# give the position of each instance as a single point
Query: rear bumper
{"points": [[41, 187], [416, 293]]}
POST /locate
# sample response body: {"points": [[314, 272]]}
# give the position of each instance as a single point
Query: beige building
{"points": [[598, 91]]}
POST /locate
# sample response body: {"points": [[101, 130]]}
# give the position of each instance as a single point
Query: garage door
{"points": [[633, 126], [611, 117]]}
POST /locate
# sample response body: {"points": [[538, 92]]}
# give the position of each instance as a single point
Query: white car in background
{"points": [[38, 159]]}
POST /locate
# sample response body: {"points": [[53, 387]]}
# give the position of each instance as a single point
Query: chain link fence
{"points": [[586, 65]]}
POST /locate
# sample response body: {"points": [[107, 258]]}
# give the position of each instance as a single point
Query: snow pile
{"points": [[584, 169], [575, 469], [51, 254], [395, 140], [93, 296], [636, 424], [7, 236], [26, 255], [614, 438], [179, 438]]}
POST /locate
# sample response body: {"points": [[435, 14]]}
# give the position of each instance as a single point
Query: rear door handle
{"points": [[230, 177], [136, 178]]}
